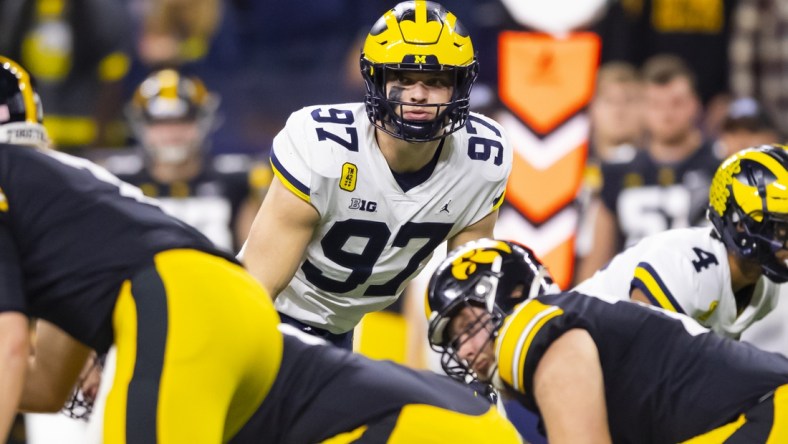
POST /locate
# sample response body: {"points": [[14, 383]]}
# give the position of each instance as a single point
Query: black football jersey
{"points": [[667, 379], [648, 197], [70, 234]]}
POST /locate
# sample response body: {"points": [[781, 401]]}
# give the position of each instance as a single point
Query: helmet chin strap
{"points": [[24, 133]]}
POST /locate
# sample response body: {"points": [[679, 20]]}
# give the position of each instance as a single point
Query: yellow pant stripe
{"points": [[346, 437], [124, 320], [720, 434], [428, 424], [779, 433], [222, 355]]}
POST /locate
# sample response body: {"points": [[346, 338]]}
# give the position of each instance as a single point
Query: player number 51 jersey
{"points": [[373, 237], [684, 270]]}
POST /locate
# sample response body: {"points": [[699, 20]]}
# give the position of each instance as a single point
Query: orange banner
{"points": [[546, 83], [544, 80], [539, 194]]}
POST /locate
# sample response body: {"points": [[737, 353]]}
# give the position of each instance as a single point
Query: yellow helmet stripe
{"points": [[25, 87], [421, 11], [419, 37], [427, 308], [168, 81], [512, 348]]}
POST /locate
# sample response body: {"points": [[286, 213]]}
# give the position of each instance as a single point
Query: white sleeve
{"points": [[290, 155], [670, 279], [495, 170]]}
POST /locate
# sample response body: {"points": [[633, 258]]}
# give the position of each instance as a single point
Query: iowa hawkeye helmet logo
{"points": [[487, 256]]}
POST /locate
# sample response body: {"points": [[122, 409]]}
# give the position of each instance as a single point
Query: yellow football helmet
{"points": [[169, 96], [21, 112], [748, 206], [418, 36]]}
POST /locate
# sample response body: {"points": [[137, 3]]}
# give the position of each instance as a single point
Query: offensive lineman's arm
{"points": [[14, 346], [481, 229], [57, 361], [569, 390], [278, 238]]}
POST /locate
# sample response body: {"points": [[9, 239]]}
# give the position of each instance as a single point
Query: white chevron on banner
{"points": [[541, 239], [543, 153]]}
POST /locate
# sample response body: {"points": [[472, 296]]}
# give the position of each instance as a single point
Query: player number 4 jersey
{"points": [[373, 237], [684, 270]]}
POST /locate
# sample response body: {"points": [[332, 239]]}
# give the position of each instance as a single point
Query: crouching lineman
{"points": [[726, 276], [598, 370], [199, 356]]}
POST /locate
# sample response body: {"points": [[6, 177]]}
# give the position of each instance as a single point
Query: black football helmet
{"points": [[21, 113], [491, 274], [748, 206], [169, 96], [418, 36]]}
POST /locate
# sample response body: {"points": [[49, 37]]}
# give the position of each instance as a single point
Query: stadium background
{"points": [[266, 59]]}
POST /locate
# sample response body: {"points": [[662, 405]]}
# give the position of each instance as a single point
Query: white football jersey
{"points": [[373, 237], [684, 270]]}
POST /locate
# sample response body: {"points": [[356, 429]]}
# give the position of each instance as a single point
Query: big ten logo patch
{"points": [[363, 205], [349, 176]]}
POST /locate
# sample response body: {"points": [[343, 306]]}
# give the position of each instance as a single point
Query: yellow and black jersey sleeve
{"points": [[521, 343], [672, 379]]}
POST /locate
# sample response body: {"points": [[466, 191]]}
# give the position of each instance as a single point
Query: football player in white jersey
{"points": [[364, 192], [725, 276]]}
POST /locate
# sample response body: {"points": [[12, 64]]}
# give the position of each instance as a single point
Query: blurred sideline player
{"points": [[599, 370], [172, 116], [725, 276], [616, 118], [365, 192], [745, 125], [200, 358], [662, 186]]}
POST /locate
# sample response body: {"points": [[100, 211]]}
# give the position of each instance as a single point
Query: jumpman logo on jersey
{"points": [[445, 207]]}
